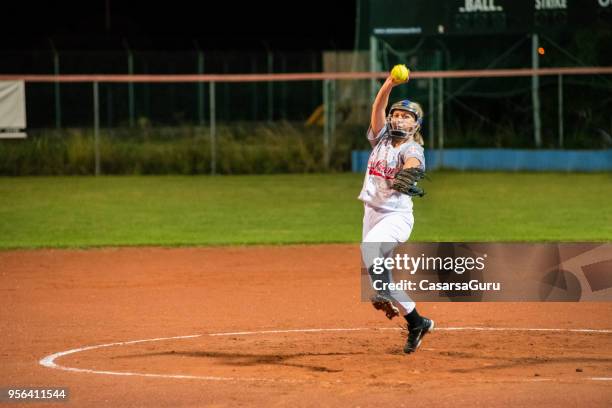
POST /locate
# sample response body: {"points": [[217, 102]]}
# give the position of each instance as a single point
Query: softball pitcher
{"points": [[395, 165]]}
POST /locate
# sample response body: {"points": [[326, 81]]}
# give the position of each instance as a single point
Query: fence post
{"points": [[332, 120], [440, 122], [283, 111], [373, 66], [329, 115], [535, 95], [200, 89], [96, 107], [58, 101], [315, 91], [325, 120], [253, 90], [329, 100], [560, 100], [430, 123], [130, 63], [56, 86], [213, 129], [270, 89]]}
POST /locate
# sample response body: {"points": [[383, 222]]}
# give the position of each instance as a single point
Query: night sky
{"points": [[176, 25]]}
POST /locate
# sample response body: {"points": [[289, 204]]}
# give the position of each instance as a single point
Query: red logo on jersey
{"points": [[380, 168]]}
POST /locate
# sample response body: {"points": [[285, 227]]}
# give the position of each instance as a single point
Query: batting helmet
{"points": [[408, 106]]}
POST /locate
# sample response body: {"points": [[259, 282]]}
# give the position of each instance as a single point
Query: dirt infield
{"points": [[277, 326]]}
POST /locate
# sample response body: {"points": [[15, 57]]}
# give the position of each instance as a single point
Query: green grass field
{"points": [[169, 211]]}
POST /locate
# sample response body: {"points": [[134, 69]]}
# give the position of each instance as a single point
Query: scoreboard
{"points": [[472, 17]]}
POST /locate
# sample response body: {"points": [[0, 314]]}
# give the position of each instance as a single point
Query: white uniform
{"points": [[380, 200], [387, 213]]}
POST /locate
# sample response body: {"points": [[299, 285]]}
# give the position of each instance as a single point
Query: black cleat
{"points": [[382, 303], [416, 334]]}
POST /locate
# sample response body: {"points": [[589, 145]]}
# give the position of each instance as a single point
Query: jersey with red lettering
{"points": [[384, 163]]}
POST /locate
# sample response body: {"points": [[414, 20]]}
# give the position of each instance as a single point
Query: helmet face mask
{"points": [[404, 126]]}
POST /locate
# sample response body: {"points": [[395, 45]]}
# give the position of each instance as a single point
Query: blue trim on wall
{"points": [[506, 160]]}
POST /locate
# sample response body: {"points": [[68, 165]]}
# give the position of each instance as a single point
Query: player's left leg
{"points": [[392, 229], [381, 300], [381, 240]]}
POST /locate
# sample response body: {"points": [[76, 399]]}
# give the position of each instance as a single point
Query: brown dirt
{"points": [[56, 300]]}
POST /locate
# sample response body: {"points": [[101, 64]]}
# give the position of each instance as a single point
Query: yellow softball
{"points": [[400, 73]]}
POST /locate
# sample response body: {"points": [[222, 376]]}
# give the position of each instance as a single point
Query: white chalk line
{"points": [[49, 361]]}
